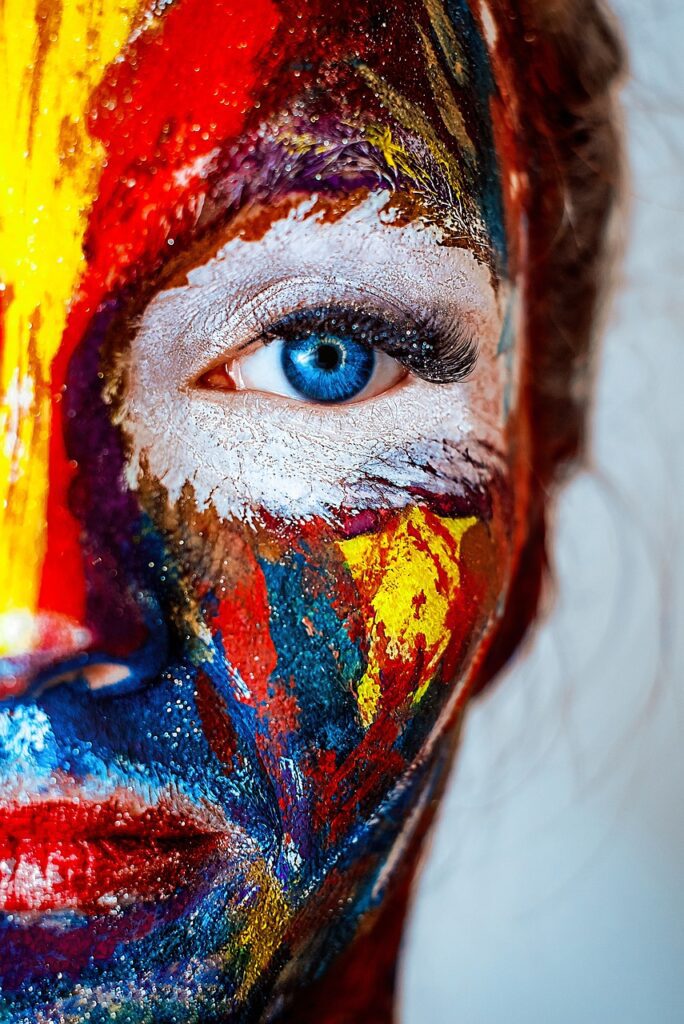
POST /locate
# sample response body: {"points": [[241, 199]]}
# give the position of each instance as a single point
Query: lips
{"points": [[99, 856]]}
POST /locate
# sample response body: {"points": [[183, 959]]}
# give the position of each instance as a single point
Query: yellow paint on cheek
{"points": [[264, 927], [52, 56], [409, 576]]}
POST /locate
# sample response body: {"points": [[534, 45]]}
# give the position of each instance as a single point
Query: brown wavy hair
{"points": [[569, 63]]}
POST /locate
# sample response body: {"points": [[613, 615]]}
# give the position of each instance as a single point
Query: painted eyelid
{"points": [[230, 333], [433, 351], [416, 342], [256, 325]]}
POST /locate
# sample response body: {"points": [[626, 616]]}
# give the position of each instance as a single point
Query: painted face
{"points": [[264, 478]]}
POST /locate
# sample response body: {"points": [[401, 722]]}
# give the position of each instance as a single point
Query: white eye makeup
{"points": [[327, 365]]}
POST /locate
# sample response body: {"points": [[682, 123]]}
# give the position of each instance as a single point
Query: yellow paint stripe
{"points": [[444, 100], [52, 56], [395, 572], [448, 40], [264, 927]]}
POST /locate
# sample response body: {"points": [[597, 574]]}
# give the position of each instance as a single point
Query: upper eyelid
{"points": [[215, 319], [246, 326], [331, 292], [383, 318], [224, 301]]}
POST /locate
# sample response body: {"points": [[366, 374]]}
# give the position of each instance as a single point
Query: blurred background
{"points": [[554, 891]]}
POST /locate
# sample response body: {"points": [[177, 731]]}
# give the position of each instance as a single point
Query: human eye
{"points": [[340, 354], [319, 365]]}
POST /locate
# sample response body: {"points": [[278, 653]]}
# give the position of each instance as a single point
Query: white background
{"points": [[554, 893]]}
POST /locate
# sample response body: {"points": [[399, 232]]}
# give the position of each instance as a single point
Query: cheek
{"points": [[345, 652], [424, 584]]}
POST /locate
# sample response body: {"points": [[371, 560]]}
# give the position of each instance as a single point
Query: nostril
{"points": [[46, 650], [27, 634], [106, 675], [96, 676], [94, 673], [30, 643], [58, 651]]}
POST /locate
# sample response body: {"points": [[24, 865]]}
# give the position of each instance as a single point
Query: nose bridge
{"points": [[33, 470]]}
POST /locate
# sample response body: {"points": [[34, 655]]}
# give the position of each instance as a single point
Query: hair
{"points": [[575, 192], [567, 76]]}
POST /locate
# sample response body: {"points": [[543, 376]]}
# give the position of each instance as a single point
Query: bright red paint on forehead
{"points": [[184, 86]]}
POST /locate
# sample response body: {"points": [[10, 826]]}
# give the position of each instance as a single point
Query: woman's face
{"points": [[265, 482]]}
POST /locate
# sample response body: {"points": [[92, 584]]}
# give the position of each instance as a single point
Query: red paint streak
{"points": [[184, 89], [87, 856], [344, 792], [351, 788], [216, 722], [63, 560], [242, 621]]}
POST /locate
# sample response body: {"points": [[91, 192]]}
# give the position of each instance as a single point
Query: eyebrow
{"points": [[277, 172], [339, 158]]}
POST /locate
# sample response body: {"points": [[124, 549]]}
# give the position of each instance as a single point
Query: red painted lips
{"points": [[77, 854]]}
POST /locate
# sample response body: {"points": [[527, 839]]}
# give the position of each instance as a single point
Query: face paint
{"points": [[254, 453], [237, 657]]}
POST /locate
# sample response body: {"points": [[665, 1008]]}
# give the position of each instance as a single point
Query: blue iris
{"points": [[326, 367]]}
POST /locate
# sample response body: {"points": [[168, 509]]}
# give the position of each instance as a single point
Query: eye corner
{"points": [[460, 353], [219, 377], [467, 358]]}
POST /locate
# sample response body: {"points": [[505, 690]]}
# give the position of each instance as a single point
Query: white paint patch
{"points": [[18, 401], [24, 732], [246, 451], [34, 880], [197, 168]]}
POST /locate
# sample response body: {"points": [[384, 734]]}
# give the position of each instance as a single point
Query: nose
{"points": [[42, 585], [54, 625], [68, 608], [45, 576]]}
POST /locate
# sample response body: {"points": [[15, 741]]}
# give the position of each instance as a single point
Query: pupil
{"points": [[328, 357]]}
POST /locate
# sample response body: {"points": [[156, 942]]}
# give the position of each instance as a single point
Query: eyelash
{"points": [[425, 349]]}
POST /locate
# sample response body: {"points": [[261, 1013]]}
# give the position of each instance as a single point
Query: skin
{"points": [[240, 628]]}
